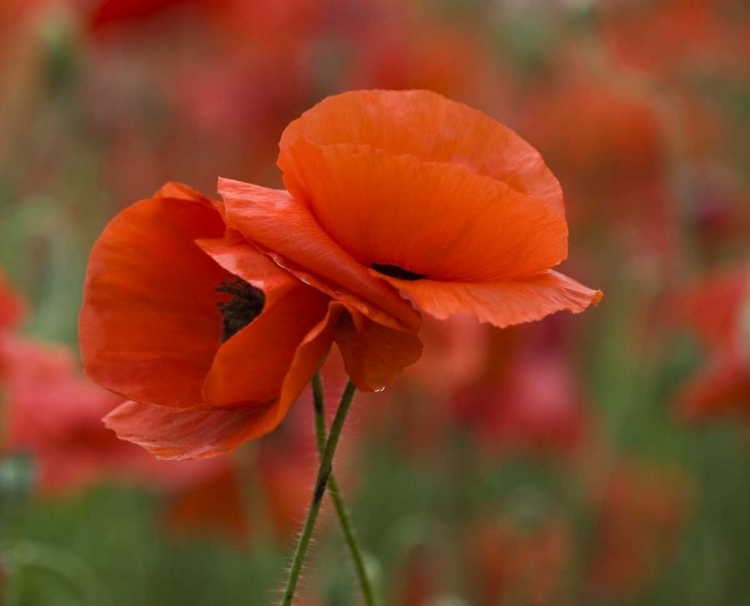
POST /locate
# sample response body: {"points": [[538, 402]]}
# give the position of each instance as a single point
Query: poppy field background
{"points": [[601, 458]]}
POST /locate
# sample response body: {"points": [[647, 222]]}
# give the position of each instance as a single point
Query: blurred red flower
{"points": [[673, 37], [52, 412], [56, 415], [537, 408], [211, 504], [717, 309], [510, 563], [12, 308], [642, 511], [421, 576], [117, 12]]}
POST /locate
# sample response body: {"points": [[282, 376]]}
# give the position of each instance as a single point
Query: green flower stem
{"points": [[321, 483], [338, 500]]}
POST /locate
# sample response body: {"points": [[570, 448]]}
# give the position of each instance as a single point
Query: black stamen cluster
{"points": [[245, 304], [394, 271]]}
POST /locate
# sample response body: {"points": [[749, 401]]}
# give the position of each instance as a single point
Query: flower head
{"points": [[396, 193], [210, 340]]}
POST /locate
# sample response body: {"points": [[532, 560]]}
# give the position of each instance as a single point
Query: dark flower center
{"points": [[394, 271], [244, 305]]}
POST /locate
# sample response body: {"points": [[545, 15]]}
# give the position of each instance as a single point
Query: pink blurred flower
{"points": [[540, 407], [53, 412]]}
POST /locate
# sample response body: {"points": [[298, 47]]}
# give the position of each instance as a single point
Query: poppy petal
{"points": [[251, 366], [207, 432], [242, 259], [442, 221], [374, 355], [428, 126], [188, 434], [501, 303], [272, 219], [149, 325]]}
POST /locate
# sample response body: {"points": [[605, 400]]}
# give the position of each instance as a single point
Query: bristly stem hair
{"points": [[338, 500], [321, 483]]}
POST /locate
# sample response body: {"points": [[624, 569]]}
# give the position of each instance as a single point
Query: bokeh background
{"points": [[599, 459]]}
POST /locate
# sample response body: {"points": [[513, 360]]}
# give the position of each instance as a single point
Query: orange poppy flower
{"points": [[210, 340], [406, 192]]}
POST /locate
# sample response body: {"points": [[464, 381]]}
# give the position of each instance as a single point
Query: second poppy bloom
{"points": [[406, 192], [210, 340]]}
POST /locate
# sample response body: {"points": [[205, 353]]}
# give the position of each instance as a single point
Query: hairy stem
{"points": [[338, 501], [321, 483]]}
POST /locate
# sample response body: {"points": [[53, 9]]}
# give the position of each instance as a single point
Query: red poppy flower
{"points": [[717, 310], [409, 193], [210, 339]]}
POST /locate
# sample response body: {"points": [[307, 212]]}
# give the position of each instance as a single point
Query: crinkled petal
{"points": [[501, 303], [374, 355], [242, 259], [284, 228], [428, 126], [150, 326], [207, 432], [188, 434], [439, 220], [251, 366]]}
